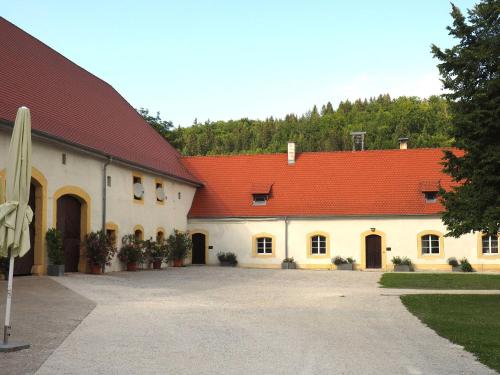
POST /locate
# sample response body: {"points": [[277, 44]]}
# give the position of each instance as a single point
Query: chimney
{"points": [[403, 143], [358, 141], [291, 153]]}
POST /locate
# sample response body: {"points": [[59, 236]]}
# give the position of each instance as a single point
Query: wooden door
{"points": [[199, 248], [373, 244], [68, 223], [23, 265]]}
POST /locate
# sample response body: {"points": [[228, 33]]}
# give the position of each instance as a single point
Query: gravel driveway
{"points": [[213, 320]]}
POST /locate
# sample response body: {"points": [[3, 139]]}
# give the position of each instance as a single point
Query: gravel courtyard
{"points": [[214, 320]]}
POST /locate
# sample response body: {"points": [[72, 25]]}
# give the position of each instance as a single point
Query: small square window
{"points": [[260, 199], [430, 196], [63, 159]]}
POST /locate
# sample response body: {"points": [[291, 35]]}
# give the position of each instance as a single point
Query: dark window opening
{"points": [[260, 199], [430, 196]]}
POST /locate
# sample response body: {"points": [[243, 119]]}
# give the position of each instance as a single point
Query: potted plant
{"points": [[465, 265], [288, 264], [455, 266], [179, 245], [227, 259], [131, 251], [4, 267], [99, 250], [343, 264], [403, 264], [55, 252], [156, 252]]}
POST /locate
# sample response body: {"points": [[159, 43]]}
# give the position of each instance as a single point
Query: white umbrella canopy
{"points": [[15, 213]]}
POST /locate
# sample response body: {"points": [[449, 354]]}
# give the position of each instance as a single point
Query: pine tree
{"points": [[471, 73]]}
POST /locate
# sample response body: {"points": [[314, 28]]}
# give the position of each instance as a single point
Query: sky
{"points": [[230, 59]]}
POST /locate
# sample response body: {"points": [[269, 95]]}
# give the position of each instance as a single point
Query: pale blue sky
{"points": [[231, 59]]}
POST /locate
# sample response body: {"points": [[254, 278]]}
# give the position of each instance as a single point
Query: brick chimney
{"points": [[403, 143]]}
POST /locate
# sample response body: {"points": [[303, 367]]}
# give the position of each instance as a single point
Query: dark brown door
{"points": [[23, 265], [68, 223], [373, 251], [198, 248]]}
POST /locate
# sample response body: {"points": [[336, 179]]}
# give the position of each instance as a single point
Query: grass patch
{"points": [[472, 321], [470, 281]]}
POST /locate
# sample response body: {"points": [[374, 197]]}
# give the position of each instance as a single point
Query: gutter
{"points": [[99, 154]]}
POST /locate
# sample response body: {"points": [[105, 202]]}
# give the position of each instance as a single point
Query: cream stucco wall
{"points": [[85, 172], [346, 237]]}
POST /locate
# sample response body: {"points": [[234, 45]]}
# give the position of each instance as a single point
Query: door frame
{"points": [[85, 211], [382, 248], [205, 233]]}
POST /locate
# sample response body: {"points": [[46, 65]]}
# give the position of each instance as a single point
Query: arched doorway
{"points": [[373, 248], [69, 224], [199, 248], [24, 265]]}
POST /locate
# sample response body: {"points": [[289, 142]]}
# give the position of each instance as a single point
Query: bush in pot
{"points": [[55, 252], [156, 252], [343, 264], [227, 259], [131, 251], [465, 265], [402, 264], [455, 266], [99, 250], [288, 264], [179, 245]]}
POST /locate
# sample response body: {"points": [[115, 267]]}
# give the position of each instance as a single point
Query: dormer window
{"points": [[261, 193], [430, 196], [260, 199]]}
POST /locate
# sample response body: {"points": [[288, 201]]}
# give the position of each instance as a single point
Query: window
{"points": [[138, 188], [318, 245], [430, 196], [160, 236], [260, 199], [63, 158], [264, 245], [108, 181], [490, 244], [111, 234], [160, 193], [139, 235], [430, 244]]}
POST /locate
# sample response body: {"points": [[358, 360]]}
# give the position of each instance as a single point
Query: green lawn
{"points": [[440, 281], [472, 321]]}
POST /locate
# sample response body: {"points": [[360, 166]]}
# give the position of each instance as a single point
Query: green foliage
{"points": [[339, 260], [229, 258], [131, 250], [99, 248], [425, 121], [289, 260], [350, 260], [179, 245], [161, 126], [465, 265], [401, 261], [471, 74], [155, 250], [471, 321], [55, 249]]}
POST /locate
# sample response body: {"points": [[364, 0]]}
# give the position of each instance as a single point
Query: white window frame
{"points": [[431, 247], [266, 245], [321, 245], [489, 247]]}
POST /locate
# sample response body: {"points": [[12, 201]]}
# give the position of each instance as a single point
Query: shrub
{"points": [[351, 260], [179, 245], [155, 250], [453, 262], [99, 248], [55, 249], [228, 257], [131, 250], [289, 260], [405, 261], [465, 265], [396, 261], [401, 261], [339, 260]]}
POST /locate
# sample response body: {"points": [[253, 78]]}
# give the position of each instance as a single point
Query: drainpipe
{"points": [[286, 236], [104, 188]]}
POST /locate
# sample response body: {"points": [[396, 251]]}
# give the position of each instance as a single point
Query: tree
{"points": [[161, 126], [471, 73]]}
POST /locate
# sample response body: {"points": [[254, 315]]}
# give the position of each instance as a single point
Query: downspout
{"points": [[104, 191], [286, 236]]}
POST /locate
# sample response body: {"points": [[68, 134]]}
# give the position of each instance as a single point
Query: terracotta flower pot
{"points": [[95, 269], [132, 266], [178, 263], [157, 264]]}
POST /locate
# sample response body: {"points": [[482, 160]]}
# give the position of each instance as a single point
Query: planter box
{"points": [[132, 266], [345, 267], [402, 268], [227, 264], [157, 264], [55, 270], [456, 269], [288, 265]]}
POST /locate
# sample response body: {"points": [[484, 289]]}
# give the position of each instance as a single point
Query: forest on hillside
{"points": [[425, 121]]}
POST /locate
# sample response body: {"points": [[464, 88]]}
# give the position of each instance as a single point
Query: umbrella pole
{"points": [[6, 346], [6, 328]]}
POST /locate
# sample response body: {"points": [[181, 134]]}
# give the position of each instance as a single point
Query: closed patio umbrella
{"points": [[15, 213]]}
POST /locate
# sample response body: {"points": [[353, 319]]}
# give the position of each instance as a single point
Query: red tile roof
{"points": [[69, 103], [385, 182]]}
